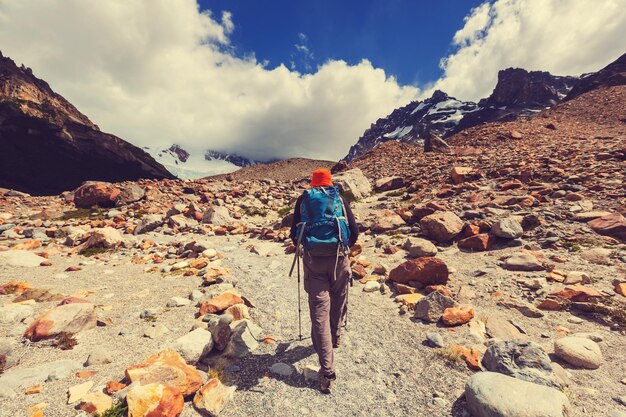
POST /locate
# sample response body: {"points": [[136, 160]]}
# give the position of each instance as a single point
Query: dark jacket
{"points": [[297, 218]]}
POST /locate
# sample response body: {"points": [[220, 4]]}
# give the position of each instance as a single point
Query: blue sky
{"points": [[158, 72], [406, 38]]}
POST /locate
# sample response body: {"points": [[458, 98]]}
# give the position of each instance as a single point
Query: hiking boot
{"points": [[326, 383]]}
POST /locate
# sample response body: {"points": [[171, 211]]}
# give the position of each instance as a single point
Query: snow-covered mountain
{"points": [[187, 165], [518, 93]]}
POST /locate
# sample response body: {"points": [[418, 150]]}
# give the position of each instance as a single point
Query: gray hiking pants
{"points": [[328, 299]]}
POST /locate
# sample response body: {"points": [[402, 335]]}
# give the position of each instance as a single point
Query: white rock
{"points": [[579, 351], [14, 313], [22, 258], [371, 286], [194, 346]]}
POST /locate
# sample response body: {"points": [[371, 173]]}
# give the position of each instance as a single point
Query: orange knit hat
{"points": [[321, 178]]}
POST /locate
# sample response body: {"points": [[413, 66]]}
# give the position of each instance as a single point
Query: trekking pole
{"points": [[299, 304]]}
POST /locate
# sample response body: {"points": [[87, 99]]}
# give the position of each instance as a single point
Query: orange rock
{"points": [[477, 243], [13, 287], [368, 278], [73, 268], [404, 289], [454, 316], [442, 289], [190, 272], [471, 230], [114, 386], [577, 293], [470, 356], [45, 263], [38, 413], [36, 389], [199, 263], [550, 304], [620, 288], [268, 340], [213, 397], [220, 303], [358, 271], [238, 311], [169, 368], [408, 300], [85, 374], [95, 403], [154, 400], [28, 245], [460, 174], [356, 249]]}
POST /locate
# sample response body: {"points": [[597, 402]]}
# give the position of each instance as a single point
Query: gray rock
{"points": [[598, 256], [26, 377], [579, 351], [178, 302], [194, 346], [244, 339], [220, 329], [21, 258], [523, 262], [148, 223], [389, 183], [129, 194], [353, 184], [99, 356], [217, 215], [508, 228], [155, 331], [282, 369], [431, 307], [520, 359], [434, 340], [196, 295], [148, 313], [616, 413], [311, 373], [15, 313], [490, 394], [419, 247], [442, 226]]}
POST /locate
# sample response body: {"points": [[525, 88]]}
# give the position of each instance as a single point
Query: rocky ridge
{"points": [[48, 146]]}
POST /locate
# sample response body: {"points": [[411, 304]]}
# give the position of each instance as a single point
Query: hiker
{"points": [[324, 226]]}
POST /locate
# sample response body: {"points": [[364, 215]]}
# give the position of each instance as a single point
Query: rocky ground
{"points": [[490, 283]]}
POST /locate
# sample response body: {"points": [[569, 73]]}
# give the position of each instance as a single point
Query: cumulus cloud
{"points": [[157, 72], [564, 37]]}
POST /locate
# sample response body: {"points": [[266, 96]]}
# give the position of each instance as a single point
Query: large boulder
{"points": [[194, 346], [213, 397], [26, 377], [105, 237], [579, 351], [148, 223], [90, 194], [425, 271], [442, 226], [523, 261], [217, 216], [508, 228], [21, 258], [154, 400], [129, 193], [431, 307], [353, 184], [521, 359], [389, 183], [67, 318], [14, 313], [610, 225], [490, 394], [168, 368], [418, 247]]}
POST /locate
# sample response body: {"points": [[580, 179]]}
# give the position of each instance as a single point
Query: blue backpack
{"points": [[323, 229]]}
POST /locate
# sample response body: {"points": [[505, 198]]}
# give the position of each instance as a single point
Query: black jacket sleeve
{"points": [[354, 229], [296, 219]]}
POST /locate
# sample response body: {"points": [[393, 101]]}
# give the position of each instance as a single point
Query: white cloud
{"points": [[564, 37], [157, 72]]}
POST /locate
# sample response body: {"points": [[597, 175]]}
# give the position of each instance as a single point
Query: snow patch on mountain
{"points": [[186, 165]]}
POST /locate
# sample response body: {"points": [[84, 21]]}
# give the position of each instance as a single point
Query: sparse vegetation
{"points": [[65, 341], [94, 251], [215, 373], [118, 410], [255, 211], [572, 246], [82, 213], [283, 211], [395, 193], [450, 356]]}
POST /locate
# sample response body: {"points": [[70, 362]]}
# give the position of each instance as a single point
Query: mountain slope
{"points": [[612, 74], [518, 93], [48, 146]]}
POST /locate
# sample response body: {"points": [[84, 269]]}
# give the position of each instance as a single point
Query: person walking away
{"points": [[324, 226]]}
